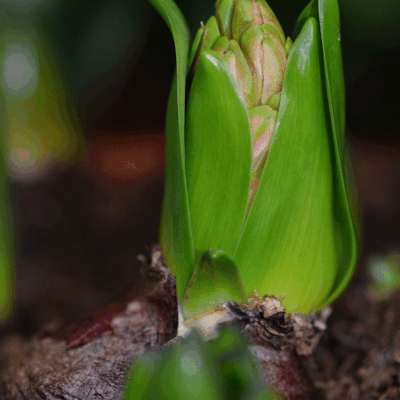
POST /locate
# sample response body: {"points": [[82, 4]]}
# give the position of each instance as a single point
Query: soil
{"points": [[78, 238]]}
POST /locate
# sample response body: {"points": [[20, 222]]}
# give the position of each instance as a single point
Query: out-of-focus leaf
{"points": [[142, 376], [6, 243], [241, 379], [184, 372], [218, 157], [39, 123], [216, 280], [192, 369], [175, 232], [288, 243]]}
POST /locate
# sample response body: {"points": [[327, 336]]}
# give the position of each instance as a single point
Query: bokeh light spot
{"points": [[20, 73]]}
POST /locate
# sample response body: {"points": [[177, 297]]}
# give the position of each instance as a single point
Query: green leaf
{"points": [[218, 157], [192, 369], [241, 379], [346, 220], [183, 372], [345, 213], [216, 280], [195, 45], [175, 232], [141, 378], [329, 21], [6, 242], [288, 243], [310, 11]]}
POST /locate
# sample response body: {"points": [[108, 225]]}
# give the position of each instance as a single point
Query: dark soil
{"points": [[359, 357], [78, 239]]}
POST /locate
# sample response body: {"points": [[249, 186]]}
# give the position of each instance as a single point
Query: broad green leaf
{"points": [[216, 280], [329, 21], [327, 14], [218, 157], [345, 220], [175, 232], [288, 243]]}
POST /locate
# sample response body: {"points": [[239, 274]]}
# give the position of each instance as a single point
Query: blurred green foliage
{"points": [[39, 124], [384, 273], [193, 369]]}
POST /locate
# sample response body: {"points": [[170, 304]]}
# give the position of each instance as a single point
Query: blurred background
{"points": [[86, 197]]}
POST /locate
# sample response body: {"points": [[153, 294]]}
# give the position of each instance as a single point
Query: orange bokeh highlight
{"points": [[126, 160]]}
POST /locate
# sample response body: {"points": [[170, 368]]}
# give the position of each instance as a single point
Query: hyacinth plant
{"points": [[256, 195]]}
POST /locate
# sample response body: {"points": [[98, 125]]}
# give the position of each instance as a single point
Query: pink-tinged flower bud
{"points": [[262, 125], [237, 65], [266, 56], [249, 13], [251, 42]]}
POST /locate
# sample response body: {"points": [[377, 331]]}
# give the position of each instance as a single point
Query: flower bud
{"points": [[238, 68], [267, 60], [248, 13], [262, 124], [223, 13], [255, 52]]}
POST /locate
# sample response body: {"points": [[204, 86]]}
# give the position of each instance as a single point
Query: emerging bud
{"points": [[267, 60], [249, 13], [237, 65], [255, 52], [262, 123]]}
